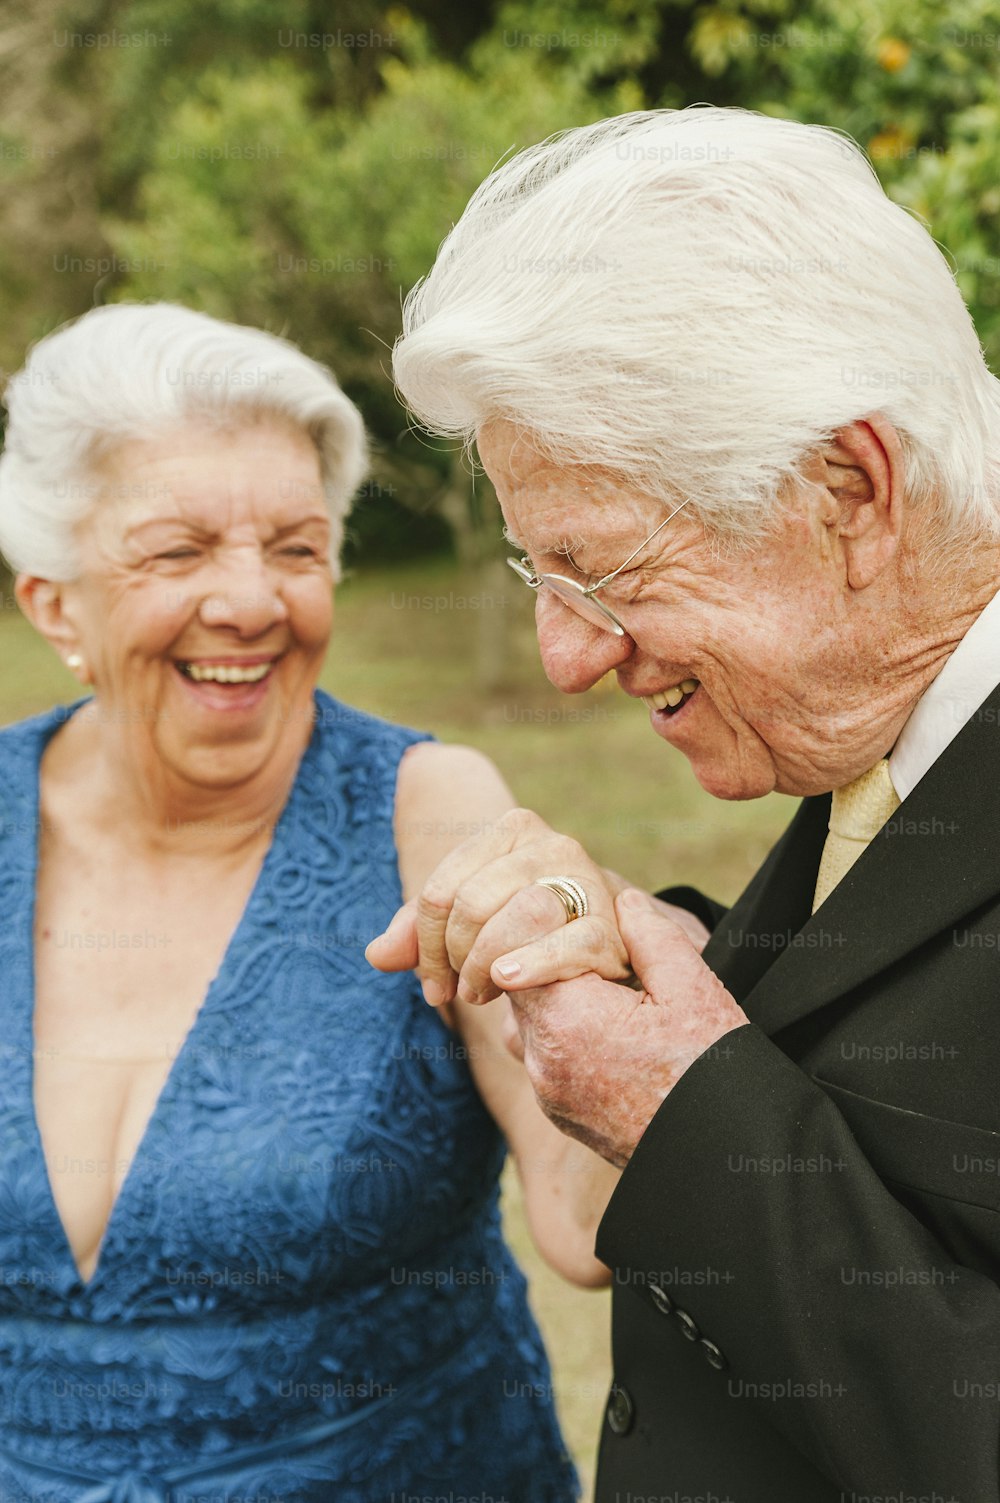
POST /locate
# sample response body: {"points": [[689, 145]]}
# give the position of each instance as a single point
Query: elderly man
{"points": [[741, 429]]}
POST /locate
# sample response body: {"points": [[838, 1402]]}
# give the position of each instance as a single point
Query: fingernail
{"points": [[633, 898], [433, 993], [508, 969]]}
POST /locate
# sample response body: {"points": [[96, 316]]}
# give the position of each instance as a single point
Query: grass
{"points": [[409, 644]]}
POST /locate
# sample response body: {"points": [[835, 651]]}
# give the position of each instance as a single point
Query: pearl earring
{"points": [[74, 662]]}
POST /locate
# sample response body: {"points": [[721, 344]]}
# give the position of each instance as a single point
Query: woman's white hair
{"points": [[132, 370], [696, 299]]}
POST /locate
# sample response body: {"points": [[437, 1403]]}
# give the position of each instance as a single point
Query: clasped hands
{"points": [[610, 1009]]}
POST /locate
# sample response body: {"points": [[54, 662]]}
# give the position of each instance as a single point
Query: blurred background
{"points": [[295, 165]]}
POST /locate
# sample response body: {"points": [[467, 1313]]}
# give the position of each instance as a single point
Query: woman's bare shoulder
{"points": [[444, 795]]}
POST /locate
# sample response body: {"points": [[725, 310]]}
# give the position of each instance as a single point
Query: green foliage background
{"points": [[296, 165]]}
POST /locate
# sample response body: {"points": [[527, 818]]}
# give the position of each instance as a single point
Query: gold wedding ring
{"points": [[572, 895]]}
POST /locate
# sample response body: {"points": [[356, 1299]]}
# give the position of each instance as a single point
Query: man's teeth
{"points": [[670, 698], [226, 673]]}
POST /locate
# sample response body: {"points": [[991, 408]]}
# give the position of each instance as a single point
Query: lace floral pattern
{"points": [[308, 1237]]}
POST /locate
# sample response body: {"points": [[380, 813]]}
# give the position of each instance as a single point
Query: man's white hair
{"points": [[132, 370], [696, 299]]}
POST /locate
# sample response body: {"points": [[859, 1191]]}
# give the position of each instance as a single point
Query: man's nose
{"points": [[575, 654], [245, 595]]}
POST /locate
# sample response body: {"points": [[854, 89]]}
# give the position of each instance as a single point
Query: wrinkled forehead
{"points": [[521, 472], [215, 479], [546, 503]]}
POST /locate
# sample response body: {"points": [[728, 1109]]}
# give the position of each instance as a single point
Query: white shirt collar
{"points": [[969, 675]]}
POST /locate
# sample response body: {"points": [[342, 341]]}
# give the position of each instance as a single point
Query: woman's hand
{"points": [[481, 905], [481, 926]]}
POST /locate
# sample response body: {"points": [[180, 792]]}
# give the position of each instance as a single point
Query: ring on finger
{"points": [[571, 893]]}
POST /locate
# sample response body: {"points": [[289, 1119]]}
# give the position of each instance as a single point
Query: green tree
{"points": [[260, 206], [916, 83], [294, 168]]}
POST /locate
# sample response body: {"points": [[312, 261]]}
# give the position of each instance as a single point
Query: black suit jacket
{"points": [[806, 1243]]}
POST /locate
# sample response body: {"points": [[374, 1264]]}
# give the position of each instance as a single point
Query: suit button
{"points": [[661, 1299], [621, 1410], [688, 1327], [713, 1356]]}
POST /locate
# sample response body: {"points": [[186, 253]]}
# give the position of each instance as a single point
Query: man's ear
{"points": [[862, 472], [44, 603]]}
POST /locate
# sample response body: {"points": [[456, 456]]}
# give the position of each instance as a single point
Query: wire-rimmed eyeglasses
{"points": [[580, 598]]}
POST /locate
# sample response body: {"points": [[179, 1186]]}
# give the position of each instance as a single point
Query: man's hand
{"points": [[602, 1058]]}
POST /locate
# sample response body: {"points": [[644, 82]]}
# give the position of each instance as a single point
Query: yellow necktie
{"points": [[857, 813]]}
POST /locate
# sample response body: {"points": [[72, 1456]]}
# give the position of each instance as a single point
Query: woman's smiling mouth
{"points": [[227, 684], [221, 672]]}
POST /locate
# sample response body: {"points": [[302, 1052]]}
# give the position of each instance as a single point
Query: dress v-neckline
{"points": [[198, 1024]]}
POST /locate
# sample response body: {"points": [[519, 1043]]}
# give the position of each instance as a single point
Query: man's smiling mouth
{"points": [[673, 698]]}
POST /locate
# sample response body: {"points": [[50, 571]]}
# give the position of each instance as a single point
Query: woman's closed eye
{"points": [[177, 553], [298, 553]]}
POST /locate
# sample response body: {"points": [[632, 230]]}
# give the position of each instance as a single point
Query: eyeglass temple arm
{"points": [[609, 577]]}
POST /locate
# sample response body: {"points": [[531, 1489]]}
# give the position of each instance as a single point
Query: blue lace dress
{"points": [[303, 1293]]}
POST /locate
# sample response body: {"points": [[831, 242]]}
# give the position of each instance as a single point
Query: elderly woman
{"points": [[740, 426], [265, 1259]]}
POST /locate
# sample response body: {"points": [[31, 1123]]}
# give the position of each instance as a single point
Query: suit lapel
{"points": [[774, 905], [935, 861]]}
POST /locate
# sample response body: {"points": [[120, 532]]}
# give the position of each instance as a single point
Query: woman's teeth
{"points": [[669, 699], [225, 673]]}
